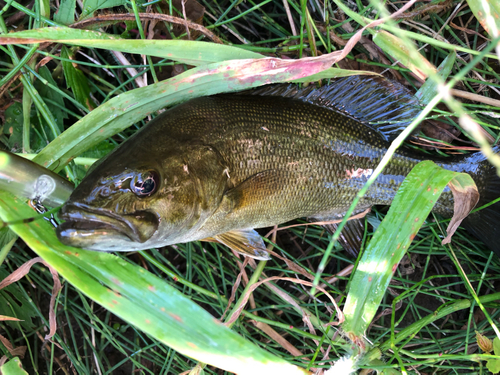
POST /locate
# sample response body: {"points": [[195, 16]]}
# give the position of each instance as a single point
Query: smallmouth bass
{"points": [[219, 167]]}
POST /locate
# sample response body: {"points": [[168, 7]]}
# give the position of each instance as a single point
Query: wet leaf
{"points": [[494, 364], [144, 300], [6, 236], [412, 204], [334, 73], [54, 102]]}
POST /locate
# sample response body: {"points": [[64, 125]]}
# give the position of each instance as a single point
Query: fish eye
{"points": [[146, 184]]}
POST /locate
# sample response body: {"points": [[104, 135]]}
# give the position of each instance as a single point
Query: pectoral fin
{"points": [[247, 242], [260, 186]]}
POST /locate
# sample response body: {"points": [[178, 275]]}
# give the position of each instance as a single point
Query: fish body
{"points": [[230, 164]]}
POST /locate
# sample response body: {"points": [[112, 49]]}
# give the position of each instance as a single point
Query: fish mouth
{"points": [[90, 227]]}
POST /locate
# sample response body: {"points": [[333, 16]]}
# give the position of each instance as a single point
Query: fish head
{"points": [[129, 203]]}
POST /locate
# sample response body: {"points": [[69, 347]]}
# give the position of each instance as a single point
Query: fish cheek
{"points": [[178, 211]]}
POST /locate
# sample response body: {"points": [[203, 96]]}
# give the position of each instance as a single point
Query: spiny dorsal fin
{"points": [[386, 106]]}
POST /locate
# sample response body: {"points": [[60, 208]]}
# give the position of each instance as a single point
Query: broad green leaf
{"points": [[488, 14], [125, 109], [90, 6], [429, 88], [496, 346], [76, 80], [184, 51], [13, 367], [144, 300], [411, 206], [493, 365], [66, 12], [395, 47]]}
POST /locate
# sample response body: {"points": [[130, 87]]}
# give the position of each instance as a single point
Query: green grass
{"points": [[431, 312]]}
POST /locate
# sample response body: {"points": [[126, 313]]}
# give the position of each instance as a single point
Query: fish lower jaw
{"points": [[106, 241], [100, 229], [101, 239]]}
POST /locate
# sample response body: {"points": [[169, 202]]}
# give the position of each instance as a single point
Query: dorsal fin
{"points": [[386, 106]]}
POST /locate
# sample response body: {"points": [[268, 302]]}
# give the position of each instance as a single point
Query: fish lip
{"points": [[83, 217]]}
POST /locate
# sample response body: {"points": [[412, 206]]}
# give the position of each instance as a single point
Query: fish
{"points": [[219, 167]]}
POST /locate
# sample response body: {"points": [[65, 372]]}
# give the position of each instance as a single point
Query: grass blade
{"points": [[430, 88], [413, 202], [184, 51], [395, 47]]}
